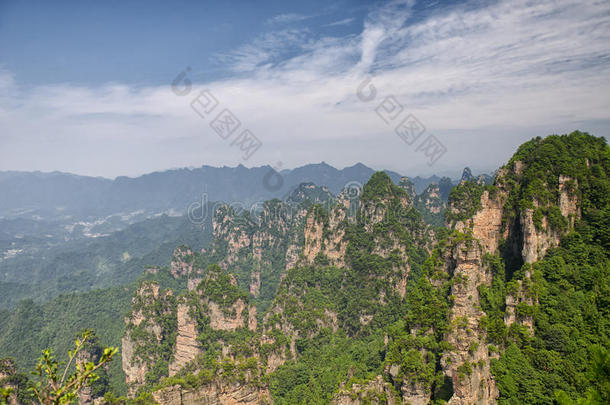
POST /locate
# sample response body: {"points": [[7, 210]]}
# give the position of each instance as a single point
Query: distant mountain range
{"points": [[64, 196], [63, 232]]}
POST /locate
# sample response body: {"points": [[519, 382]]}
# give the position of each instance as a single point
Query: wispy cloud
{"points": [[287, 18], [266, 49], [345, 21], [484, 78]]}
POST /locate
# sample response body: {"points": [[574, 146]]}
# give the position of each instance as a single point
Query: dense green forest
{"points": [[86, 264], [385, 309]]}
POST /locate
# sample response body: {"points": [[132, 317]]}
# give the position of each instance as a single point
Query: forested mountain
{"points": [[486, 292], [66, 233]]}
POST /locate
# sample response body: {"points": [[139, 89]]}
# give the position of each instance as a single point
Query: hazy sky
{"points": [[86, 87]]}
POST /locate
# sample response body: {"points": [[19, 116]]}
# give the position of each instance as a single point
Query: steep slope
{"points": [[208, 331], [355, 299], [432, 205], [499, 231], [358, 253]]}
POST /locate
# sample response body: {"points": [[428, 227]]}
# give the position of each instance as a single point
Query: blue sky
{"points": [[85, 86]]}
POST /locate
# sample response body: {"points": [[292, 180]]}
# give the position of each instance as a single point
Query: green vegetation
{"points": [[59, 383], [465, 199], [162, 313], [218, 287], [572, 321], [31, 327], [324, 362], [379, 186], [384, 309], [87, 264], [432, 204], [560, 361], [534, 173]]}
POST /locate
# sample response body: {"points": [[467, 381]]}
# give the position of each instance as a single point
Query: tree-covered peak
{"points": [[306, 194], [563, 154], [577, 164], [221, 287], [406, 184], [538, 163], [381, 186]]}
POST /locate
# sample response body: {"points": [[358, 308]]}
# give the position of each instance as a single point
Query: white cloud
{"points": [[483, 79]]}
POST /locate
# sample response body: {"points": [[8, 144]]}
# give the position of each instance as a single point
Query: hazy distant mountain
{"points": [[61, 195]]}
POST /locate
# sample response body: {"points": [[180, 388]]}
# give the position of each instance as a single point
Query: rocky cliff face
{"points": [[360, 266], [182, 262], [540, 234], [187, 345], [85, 396], [468, 363], [432, 204], [324, 235], [376, 392], [408, 186], [430, 200], [259, 245], [151, 307], [214, 394], [516, 301], [162, 327], [486, 225], [528, 234]]}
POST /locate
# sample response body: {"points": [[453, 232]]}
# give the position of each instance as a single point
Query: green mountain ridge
{"points": [[367, 299]]}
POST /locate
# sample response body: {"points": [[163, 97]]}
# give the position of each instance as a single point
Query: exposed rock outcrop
{"points": [[411, 391], [568, 200], [519, 304], [414, 394], [468, 363], [536, 241], [143, 329], [258, 244], [528, 234], [486, 225], [539, 237], [324, 235], [430, 200], [376, 392], [182, 262], [187, 345], [408, 186], [216, 393]]}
